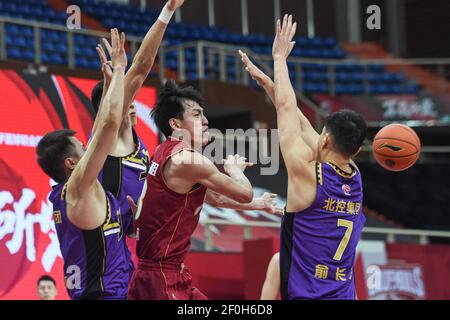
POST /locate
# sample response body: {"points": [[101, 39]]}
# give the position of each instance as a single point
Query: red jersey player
{"points": [[180, 179]]}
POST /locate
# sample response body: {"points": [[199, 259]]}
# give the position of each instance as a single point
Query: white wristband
{"points": [[166, 14]]}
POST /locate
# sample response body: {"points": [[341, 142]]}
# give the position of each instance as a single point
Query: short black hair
{"points": [[96, 95], [170, 104], [51, 151], [348, 131], [46, 277]]}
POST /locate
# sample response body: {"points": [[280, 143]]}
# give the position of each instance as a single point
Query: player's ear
{"points": [[326, 140], [174, 124], [70, 163]]}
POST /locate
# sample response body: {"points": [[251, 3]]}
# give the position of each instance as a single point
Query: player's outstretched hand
{"points": [[106, 65], [269, 201], [235, 162], [260, 77], [117, 49], [175, 4], [283, 44]]}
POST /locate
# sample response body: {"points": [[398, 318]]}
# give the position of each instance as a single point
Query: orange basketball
{"points": [[396, 147]]}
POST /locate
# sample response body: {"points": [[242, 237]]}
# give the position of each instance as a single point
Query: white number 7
{"points": [[344, 242]]}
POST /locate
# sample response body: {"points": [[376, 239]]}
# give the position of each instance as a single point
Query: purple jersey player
{"points": [[126, 167], [92, 218], [87, 218], [323, 219]]}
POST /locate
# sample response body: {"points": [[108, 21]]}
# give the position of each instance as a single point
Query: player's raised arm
{"points": [[109, 119], [292, 144], [145, 56], [196, 168], [107, 75], [309, 133]]}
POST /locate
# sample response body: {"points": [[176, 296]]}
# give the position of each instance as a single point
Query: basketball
{"points": [[396, 147]]}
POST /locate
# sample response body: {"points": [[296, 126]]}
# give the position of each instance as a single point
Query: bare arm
{"points": [[310, 135], [292, 143], [271, 286], [267, 202], [84, 176], [107, 75], [144, 58], [195, 168]]}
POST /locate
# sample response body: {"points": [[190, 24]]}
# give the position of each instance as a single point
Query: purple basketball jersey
{"points": [[96, 264], [318, 244], [124, 176]]}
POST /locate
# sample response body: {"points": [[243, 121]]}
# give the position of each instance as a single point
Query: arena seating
{"points": [[315, 77], [415, 198]]}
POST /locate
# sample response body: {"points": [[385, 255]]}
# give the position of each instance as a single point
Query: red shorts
{"points": [[162, 281]]}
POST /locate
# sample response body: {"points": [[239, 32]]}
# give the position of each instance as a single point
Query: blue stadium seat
{"points": [[81, 62], [342, 89], [93, 64], [356, 89], [61, 48], [12, 29], [45, 57], [55, 58], [411, 89], [47, 46], [330, 42], [27, 32], [310, 87], [14, 53], [376, 68], [323, 87], [301, 41], [28, 55]]}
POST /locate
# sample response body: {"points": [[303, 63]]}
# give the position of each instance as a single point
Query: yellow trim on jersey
{"points": [[120, 179], [111, 226], [135, 160], [319, 173], [102, 286], [63, 192], [341, 172], [135, 153], [108, 210]]}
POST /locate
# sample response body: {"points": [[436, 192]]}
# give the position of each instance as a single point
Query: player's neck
{"points": [[337, 159], [125, 128]]}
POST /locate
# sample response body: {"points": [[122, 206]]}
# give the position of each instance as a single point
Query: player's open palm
{"points": [[235, 162], [270, 203], [175, 4], [117, 49], [260, 77], [106, 65], [283, 44]]}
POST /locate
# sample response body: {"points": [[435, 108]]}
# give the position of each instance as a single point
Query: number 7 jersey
{"points": [[318, 244]]}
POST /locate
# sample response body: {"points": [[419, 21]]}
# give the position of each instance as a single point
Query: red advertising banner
{"points": [[32, 105]]}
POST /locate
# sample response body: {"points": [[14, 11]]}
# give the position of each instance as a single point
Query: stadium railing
{"points": [[389, 233], [207, 53]]}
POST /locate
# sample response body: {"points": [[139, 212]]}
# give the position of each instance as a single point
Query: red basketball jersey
{"points": [[168, 219]]}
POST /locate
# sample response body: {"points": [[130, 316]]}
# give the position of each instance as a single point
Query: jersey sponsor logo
{"points": [[153, 168], [346, 189]]}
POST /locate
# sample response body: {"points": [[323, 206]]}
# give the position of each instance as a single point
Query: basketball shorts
{"points": [[162, 281]]}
